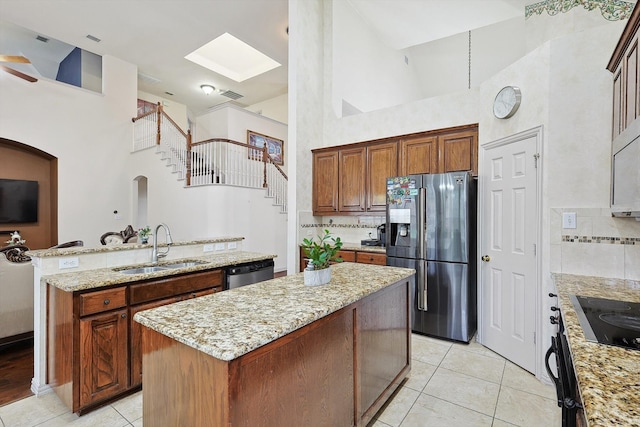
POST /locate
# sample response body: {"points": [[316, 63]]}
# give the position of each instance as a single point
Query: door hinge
{"points": [[534, 337], [535, 159]]}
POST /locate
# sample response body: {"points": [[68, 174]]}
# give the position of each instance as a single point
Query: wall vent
{"points": [[42, 39], [231, 94]]}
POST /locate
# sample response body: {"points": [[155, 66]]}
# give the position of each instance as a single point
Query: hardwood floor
{"points": [[16, 366]]}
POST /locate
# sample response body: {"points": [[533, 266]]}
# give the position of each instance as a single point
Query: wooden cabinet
{"points": [[363, 257], [94, 345], [449, 152], [351, 179], [325, 183], [104, 344], [625, 66]]}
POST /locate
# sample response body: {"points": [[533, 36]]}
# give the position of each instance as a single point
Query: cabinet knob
{"points": [[107, 301], [193, 295], [123, 315]]}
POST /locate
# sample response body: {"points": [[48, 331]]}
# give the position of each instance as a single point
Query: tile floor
{"points": [[450, 385]]}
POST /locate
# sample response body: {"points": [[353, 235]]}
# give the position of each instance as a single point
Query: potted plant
{"points": [[143, 234], [320, 254]]}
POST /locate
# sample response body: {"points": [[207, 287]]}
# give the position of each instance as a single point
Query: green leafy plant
{"points": [[323, 252], [144, 232]]}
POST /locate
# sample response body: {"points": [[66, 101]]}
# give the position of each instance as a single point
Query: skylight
{"points": [[232, 58]]}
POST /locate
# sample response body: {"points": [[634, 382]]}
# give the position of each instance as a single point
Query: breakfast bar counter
{"points": [[279, 352], [608, 376]]}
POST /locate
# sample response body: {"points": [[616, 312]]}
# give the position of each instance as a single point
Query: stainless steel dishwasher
{"points": [[249, 273]]}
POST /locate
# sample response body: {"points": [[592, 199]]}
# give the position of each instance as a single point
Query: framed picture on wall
{"points": [[275, 147]]}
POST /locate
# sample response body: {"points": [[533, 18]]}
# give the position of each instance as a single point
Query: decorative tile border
{"points": [[334, 225], [600, 239], [612, 10]]}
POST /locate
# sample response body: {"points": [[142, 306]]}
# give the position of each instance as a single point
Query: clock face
{"points": [[507, 102]]}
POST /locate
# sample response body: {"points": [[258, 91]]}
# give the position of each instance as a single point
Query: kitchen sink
{"points": [[143, 270], [184, 264]]}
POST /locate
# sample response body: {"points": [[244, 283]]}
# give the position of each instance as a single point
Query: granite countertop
{"points": [[229, 324], [608, 377], [91, 279], [80, 250]]}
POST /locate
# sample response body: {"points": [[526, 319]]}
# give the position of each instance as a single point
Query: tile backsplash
{"points": [[350, 229], [600, 245]]}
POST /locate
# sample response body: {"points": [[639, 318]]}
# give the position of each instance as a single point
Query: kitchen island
{"points": [[279, 352], [608, 376]]}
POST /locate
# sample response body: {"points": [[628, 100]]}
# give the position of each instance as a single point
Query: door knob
{"points": [[486, 258]]}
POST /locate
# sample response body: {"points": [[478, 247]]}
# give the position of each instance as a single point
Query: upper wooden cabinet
{"points": [[352, 179], [624, 64], [325, 183]]}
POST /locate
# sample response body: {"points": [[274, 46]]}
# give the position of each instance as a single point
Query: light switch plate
{"points": [[569, 220]]}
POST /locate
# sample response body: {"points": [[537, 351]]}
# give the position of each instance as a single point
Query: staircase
{"points": [[211, 162]]}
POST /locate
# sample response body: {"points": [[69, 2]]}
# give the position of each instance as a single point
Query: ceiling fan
{"points": [[20, 60]]}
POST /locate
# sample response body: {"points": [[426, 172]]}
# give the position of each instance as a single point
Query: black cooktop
{"points": [[608, 321]]}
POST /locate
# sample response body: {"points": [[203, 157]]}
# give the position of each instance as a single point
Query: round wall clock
{"points": [[507, 102]]}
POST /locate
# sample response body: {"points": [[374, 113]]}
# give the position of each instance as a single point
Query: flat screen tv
{"points": [[18, 201]]}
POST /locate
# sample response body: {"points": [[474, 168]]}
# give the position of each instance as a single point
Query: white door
{"points": [[509, 233]]}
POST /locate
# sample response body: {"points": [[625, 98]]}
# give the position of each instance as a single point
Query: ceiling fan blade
{"points": [[13, 58], [19, 74]]}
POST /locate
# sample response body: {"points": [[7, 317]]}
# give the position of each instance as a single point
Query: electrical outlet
{"points": [[68, 263], [117, 216], [232, 245], [569, 220], [219, 246], [207, 248]]}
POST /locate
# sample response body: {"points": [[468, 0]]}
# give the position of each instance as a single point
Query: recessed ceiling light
{"points": [[232, 58]]}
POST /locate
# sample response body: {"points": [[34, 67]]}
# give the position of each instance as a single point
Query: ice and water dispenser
{"points": [[402, 210]]}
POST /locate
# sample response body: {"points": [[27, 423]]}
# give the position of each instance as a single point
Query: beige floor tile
{"points": [[520, 379], [32, 411], [420, 374], [138, 423], [464, 390], [527, 410], [429, 411], [428, 350], [474, 363], [476, 347], [399, 407], [130, 407], [376, 423], [103, 417]]}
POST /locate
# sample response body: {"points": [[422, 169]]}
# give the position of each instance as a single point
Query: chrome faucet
{"points": [[154, 254]]}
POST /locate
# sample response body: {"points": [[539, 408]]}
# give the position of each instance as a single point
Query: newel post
{"points": [[158, 122], [188, 157], [265, 154]]}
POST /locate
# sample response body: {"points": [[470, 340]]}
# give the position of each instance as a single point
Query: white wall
{"points": [[274, 108]]}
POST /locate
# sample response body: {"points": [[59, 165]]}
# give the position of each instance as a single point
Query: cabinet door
{"points": [[103, 356], [325, 182], [630, 63], [351, 188], [136, 337], [459, 152], [418, 155], [382, 162]]}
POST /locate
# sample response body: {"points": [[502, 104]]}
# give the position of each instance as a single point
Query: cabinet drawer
{"points": [[105, 300], [347, 256], [371, 258], [165, 288]]}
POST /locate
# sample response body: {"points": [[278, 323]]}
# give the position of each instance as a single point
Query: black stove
{"points": [[608, 321]]}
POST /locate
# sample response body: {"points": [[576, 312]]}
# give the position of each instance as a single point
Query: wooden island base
{"points": [[336, 371]]}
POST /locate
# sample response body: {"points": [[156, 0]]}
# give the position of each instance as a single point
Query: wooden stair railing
{"points": [[212, 161]]}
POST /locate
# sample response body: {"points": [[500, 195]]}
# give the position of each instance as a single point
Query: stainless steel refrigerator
{"points": [[431, 227]]}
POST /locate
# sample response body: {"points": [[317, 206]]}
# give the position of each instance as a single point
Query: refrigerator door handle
{"points": [[422, 288]]}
